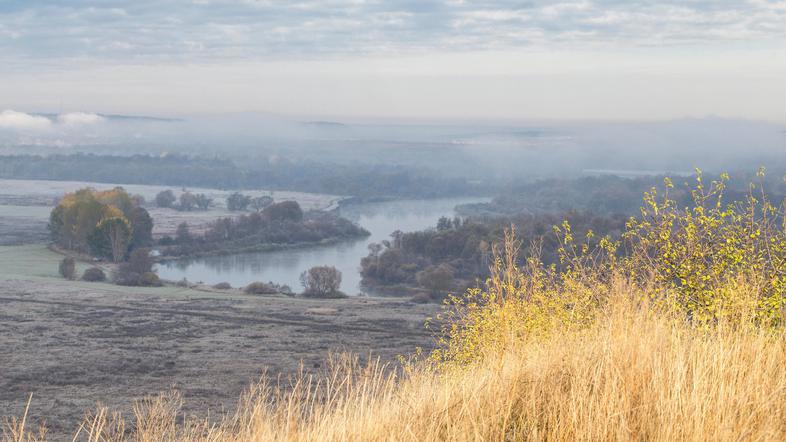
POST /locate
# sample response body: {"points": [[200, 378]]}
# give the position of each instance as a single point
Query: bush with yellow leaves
{"points": [[707, 264]]}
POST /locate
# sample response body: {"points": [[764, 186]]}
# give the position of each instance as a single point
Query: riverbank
{"points": [[285, 264]]}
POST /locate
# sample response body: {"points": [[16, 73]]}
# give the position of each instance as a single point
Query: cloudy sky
{"points": [[618, 59]]}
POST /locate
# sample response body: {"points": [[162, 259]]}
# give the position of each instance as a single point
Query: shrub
{"points": [[321, 281], [222, 286], [710, 266], [165, 198], [261, 202], [127, 278], [421, 298], [183, 234], [150, 279], [437, 279], [147, 279], [94, 274], [67, 268], [203, 201], [140, 261], [284, 211], [134, 270], [237, 201], [188, 201], [704, 253], [260, 288]]}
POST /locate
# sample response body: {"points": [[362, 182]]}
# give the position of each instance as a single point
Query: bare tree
{"points": [[321, 281]]}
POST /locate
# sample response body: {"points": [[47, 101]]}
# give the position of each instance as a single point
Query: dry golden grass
{"points": [[633, 375]]}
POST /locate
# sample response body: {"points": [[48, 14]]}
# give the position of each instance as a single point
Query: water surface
{"points": [[285, 266]]}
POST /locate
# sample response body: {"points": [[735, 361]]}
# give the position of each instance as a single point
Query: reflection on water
{"points": [[285, 266]]}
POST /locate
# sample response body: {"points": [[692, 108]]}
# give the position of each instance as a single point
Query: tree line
{"points": [[457, 252], [188, 201], [601, 194], [363, 180]]}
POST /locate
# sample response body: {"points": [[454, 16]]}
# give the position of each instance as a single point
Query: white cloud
{"points": [[79, 118], [10, 119]]}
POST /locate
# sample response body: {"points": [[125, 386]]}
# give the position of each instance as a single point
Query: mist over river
{"points": [[285, 266]]}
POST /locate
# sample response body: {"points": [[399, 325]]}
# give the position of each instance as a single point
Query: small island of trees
{"points": [[278, 225]]}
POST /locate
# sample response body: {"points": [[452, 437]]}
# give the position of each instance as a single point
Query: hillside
{"points": [[681, 339]]}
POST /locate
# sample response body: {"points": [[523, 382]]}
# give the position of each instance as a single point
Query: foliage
{"points": [[182, 233], [465, 246], [283, 211], [222, 286], [138, 270], [165, 198], [258, 230], [329, 176], [705, 252], [111, 238], [260, 288], [436, 278], [709, 264], [100, 222], [188, 202], [150, 279], [67, 268], [237, 201], [94, 274], [321, 281], [261, 202], [140, 261], [601, 195], [142, 228], [203, 202], [147, 279]]}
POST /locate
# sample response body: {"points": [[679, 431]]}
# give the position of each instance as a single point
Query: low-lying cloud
{"points": [[79, 118], [22, 121], [10, 119]]}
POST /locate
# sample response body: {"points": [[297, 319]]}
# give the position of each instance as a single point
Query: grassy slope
{"points": [[30, 261], [36, 262], [632, 376]]}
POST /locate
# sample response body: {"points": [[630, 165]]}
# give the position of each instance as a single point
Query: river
{"points": [[285, 266]]}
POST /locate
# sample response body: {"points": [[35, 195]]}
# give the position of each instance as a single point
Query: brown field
{"points": [[74, 344]]}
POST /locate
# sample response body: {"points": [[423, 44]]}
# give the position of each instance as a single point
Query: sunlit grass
{"points": [[631, 376]]}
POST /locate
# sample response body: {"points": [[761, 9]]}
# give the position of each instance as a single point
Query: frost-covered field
{"points": [[74, 344], [25, 206], [41, 192]]}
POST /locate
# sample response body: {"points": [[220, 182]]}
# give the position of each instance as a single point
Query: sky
{"points": [[409, 59]]}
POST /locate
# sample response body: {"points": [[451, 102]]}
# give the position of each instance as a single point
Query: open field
{"points": [[25, 206], [23, 224], [74, 344], [43, 192]]}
